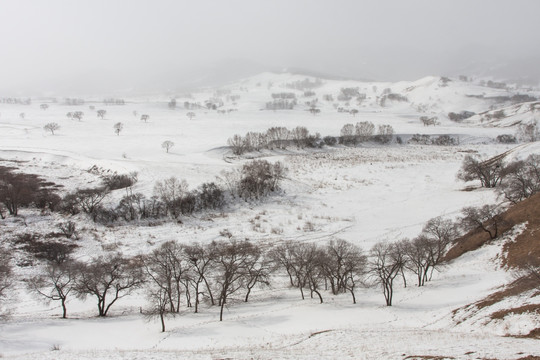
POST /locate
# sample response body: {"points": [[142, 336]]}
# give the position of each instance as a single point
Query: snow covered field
{"points": [[363, 195]]}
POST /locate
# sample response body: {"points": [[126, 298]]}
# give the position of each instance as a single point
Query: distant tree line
{"points": [[74, 101], [113, 101], [20, 101], [282, 138], [305, 84]]}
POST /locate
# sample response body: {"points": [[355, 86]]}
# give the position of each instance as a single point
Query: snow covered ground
{"points": [[362, 195]]}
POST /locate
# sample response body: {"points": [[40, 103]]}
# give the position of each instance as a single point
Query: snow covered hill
{"points": [[363, 194]]}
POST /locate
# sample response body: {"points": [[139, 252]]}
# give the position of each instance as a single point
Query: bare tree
{"points": [[22, 115], [144, 117], [385, 265], [416, 255], [258, 269], [364, 130], [237, 144], [522, 179], [529, 132], [191, 115], [488, 218], [18, 190], [348, 134], [101, 113], [77, 115], [202, 259], [52, 127], [259, 177], [282, 256], [167, 269], [167, 145], [343, 265], [384, 134], [308, 259], [89, 199], [299, 135], [44, 106], [172, 192], [529, 271], [118, 127], [490, 172], [278, 137], [440, 233], [109, 279], [233, 258], [56, 282], [254, 141], [159, 304]]}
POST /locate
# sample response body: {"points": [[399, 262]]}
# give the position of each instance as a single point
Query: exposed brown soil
{"points": [[525, 247], [531, 308]]}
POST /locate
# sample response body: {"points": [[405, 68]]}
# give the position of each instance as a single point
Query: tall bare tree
{"points": [[109, 279], [56, 282]]}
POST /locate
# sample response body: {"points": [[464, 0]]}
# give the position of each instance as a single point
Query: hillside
{"points": [[514, 308], [365, 194]]}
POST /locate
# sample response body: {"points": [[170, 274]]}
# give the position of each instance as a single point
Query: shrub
{"points": [[444, 140], [115, 181], [506, 139], [420, 139], [330, 140]]}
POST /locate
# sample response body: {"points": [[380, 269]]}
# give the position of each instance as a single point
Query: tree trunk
{"points": [[64, 310], [209, 291], [221, 310], [162, 318], [353, 296]]}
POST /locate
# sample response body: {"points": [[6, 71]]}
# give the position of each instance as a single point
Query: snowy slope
{"points": [[363, 195]]}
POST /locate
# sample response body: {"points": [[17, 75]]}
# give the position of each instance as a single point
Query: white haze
{"points": [[99, 46]]}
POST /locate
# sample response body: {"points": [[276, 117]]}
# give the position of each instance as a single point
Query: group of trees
{"points": [[458, 117], [427, 121], [305, 84], [419, 256], [226, 271], [365, 131], [423, 139], [172, 197], [113, 101], [282, 138], [516, 180], [275, 137], [75, 115], [74, 101], [10, 100], [23, 190]]}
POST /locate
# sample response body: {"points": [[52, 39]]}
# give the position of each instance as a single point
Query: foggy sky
{"points": [[113, 45]]}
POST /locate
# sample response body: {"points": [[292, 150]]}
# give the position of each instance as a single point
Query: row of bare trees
{"points": [[226, 271], [274, 138], [365, 131], [281, 137], [223, 272]]}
